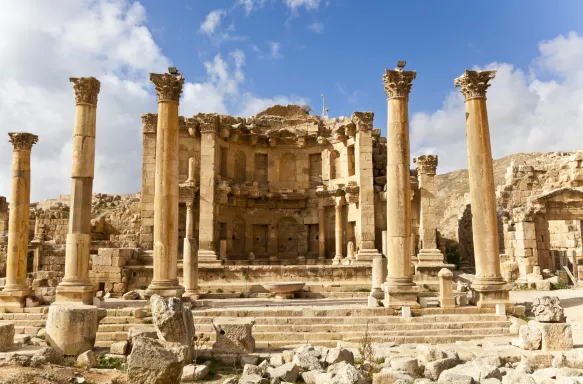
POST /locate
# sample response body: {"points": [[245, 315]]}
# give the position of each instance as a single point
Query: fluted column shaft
{"points": [[190, 257], [18, 227], [338, 231], [399, 287], [165, 280], [321, 232], [488, 281], [76, 286]]}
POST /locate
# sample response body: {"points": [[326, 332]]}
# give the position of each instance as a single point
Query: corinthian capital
{"points": [[363, 120], [398, 82], [86, 89], [168, 86], [426, 164], [22, 140], [474, 83], [149, 122]]}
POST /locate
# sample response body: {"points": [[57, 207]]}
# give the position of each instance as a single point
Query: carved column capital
{"points": [[473, 84], [86, 89], [149, 122], [363, 120], [398, 82], [208, 122], [426, 164], [189, 205], [168, 86], [22, 141]]}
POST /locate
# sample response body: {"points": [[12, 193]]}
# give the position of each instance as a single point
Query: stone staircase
{"points": [[279, 326]]}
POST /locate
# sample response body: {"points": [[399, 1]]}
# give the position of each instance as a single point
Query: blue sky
{"points": [[346, 59], [241, 56]]}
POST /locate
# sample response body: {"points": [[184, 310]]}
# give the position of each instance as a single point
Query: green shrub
{"points": [[452, 254]]}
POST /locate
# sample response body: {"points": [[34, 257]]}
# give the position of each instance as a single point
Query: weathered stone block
{"points": [[233, 335], [6, 336], [529, 338], [555, 336], [71, 329], [155, 362]]}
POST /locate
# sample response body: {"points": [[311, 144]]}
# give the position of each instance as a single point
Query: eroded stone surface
{"points": [[155, 362]]}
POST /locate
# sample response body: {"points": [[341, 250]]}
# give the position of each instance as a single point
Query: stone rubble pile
{"points": [[426, 364]]}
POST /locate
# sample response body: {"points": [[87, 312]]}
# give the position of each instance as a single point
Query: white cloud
{"points": [[273, 52], [250, 5], [308, 4], [212, 21], [42, 44], [351, 96], [538, 110], [316, 27]]}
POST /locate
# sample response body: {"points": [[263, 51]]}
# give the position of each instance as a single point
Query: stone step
{"points": [[26, 330], [22, 316], [267, 311], [362, 319]]}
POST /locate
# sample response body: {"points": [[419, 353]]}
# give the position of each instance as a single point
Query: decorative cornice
{"points": [[22, 140], [168, 86], [474, 84], [363, 120], [149, 122], [398, 83], [426, 164], [86, 89]]}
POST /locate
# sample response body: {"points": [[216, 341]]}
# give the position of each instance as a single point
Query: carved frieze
{"points": [[474, 84], [86, 89], [22, 140], [363, 120]]}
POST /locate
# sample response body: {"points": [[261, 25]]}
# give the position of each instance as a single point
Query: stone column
{"points": [[3, 217], [338, 230], [16, 287], [399, 287], [76, 286], [430, 258], [208, 158], [488, 286], [322, 232], [165, 281], [190, 258], [364, 173]]}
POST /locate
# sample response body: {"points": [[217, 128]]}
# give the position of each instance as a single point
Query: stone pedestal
{"points": [[16, 288], [165, 280], [399, 288], [446, 299], [555, 336], [233, 335], [488, 286], [429, 258], [76, 286], [71, 328]]}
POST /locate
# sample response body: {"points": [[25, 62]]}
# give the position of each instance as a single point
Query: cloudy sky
{"points": [[240, 56]]}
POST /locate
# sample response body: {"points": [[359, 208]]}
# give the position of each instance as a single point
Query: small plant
{"points": [[362, 290], [110, 362], [219, 290], [246, 274], [198, 343], [69, 361], [366, 352], [148, 321], [555, 287]]}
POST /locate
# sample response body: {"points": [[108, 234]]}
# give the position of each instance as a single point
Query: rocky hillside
{"points": [[454, 185]]}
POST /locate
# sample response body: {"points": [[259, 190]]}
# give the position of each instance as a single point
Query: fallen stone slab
{"points": [[155, 362], [336, 355], [253, 379], [6, 336], [529, 338], [192, 373], [287, 372], [433, 369], [555, 336], [87, 359]]}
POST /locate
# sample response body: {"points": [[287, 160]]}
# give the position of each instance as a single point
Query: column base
{"points": [[192, 294], [165, 288], [373, 302], [398, 295], [486, 293], [365, 256], [208, 257], [14, 298], [429, 256], [337, 260], [74, 294]]}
